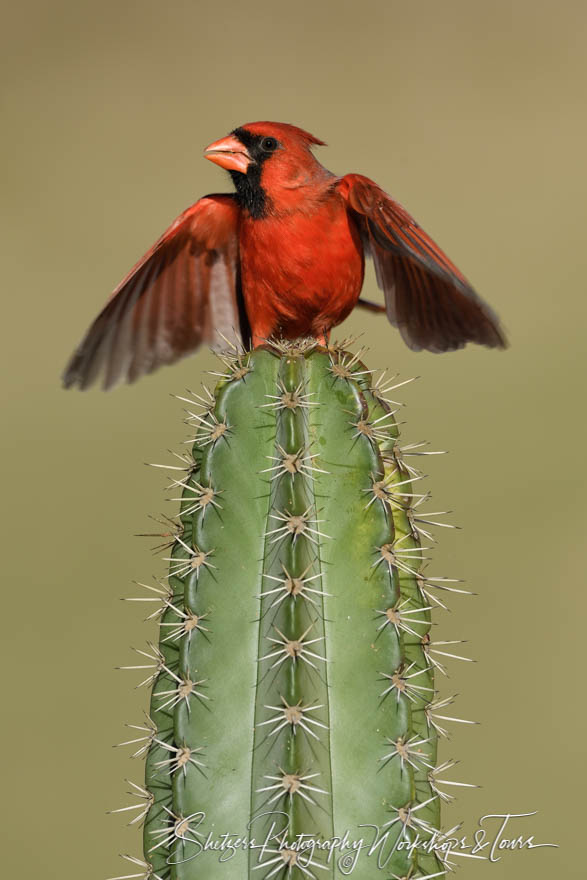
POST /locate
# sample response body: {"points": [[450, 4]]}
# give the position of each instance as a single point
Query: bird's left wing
{"points": [[426, 296], [183, 292]]}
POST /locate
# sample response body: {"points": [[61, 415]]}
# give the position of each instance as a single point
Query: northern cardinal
{"points": [[281, 257]]}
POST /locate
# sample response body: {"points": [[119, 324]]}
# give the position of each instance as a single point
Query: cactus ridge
{"points": [[293, 685]]}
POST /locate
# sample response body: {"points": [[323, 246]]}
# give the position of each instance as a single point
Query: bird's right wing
{"points": [[183, 292]]}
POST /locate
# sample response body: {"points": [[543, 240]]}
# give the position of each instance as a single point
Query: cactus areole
{"points": [[293, 724]]}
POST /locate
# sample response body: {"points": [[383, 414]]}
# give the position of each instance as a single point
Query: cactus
{"points": [[293, 685]]}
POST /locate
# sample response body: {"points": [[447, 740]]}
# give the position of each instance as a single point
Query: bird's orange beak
{"points": [[229, 153]]}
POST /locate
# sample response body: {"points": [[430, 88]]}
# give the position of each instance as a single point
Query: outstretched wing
{"points": [[184, 292], [426, 296]]}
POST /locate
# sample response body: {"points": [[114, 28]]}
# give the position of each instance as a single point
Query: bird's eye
{"points": [[269, 145]]}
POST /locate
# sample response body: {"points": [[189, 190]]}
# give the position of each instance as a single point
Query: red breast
{"points": [[301, 269]]}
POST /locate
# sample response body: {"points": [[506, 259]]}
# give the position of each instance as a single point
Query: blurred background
{"points": [[472, 115]]}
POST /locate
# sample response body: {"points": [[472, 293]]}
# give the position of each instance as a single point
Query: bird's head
{"points": [[271, 164]]}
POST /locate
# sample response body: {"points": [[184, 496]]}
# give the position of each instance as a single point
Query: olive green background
{"points": [[470, 113]]}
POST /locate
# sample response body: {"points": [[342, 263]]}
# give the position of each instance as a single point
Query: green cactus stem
{"points": [[293, 693]]}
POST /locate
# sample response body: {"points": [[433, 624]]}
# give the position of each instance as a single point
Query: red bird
{"points": [[283, 256]]}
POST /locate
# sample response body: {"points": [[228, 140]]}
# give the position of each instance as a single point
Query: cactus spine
{"points": [[293, 686]]}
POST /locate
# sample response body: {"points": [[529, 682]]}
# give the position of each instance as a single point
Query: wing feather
{"points": [[426, 296], [167, 305]]}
